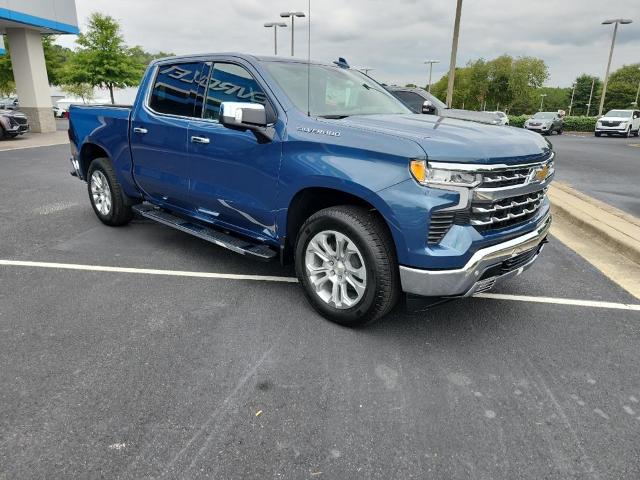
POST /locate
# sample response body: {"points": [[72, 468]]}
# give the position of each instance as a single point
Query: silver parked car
{"points": [[545, 123]]}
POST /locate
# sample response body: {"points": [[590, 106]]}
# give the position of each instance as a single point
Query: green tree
{"points": [[103, 59], [143, 57], [7, 85], [80, 90], [55, 57], [582, 92], [622, 87]]}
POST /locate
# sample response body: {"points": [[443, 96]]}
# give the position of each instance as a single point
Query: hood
{"points": [[453, 140], [483, 117], [539, 120]]}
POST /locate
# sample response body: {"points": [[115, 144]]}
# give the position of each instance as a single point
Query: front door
{"points": [[234, 178], [159, 133]]}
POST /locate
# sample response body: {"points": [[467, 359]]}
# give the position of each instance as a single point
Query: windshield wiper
{"points": [[333, 117]]}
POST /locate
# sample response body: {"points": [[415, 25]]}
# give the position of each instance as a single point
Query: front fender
{"points": [[345, 186]]}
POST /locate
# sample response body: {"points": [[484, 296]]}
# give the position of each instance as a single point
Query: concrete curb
{"points": [[32, 140], [616, 228]]}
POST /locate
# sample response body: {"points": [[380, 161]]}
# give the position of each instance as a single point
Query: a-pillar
{"points": [[30, 75]]}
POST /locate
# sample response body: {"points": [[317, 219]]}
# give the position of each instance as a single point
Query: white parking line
{"points": [[147, 271], [24, 147], [560, 301], [268, 278]]}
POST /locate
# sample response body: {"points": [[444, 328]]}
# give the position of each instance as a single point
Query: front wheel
{"points": [[109, 202], [628, 132], [346, 263], [597, 134]]}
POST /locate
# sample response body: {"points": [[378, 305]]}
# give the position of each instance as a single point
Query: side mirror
{"points": [[427, 107], [243, 116], [246, 116]]}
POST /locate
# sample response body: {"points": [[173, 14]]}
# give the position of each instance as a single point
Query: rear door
{"points": [[234, 177], [159, 134]]}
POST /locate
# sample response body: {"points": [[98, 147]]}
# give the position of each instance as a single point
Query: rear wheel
{"points": [[346, 264], [109, 202]]}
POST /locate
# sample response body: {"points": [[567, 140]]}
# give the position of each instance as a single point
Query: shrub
{"points": [[517, 120], [580, 124]]}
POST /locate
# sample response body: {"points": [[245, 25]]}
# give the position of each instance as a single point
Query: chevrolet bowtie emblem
{"points": [[542, 173]]}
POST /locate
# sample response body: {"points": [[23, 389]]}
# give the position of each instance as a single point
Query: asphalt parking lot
{"points": [[607, 168], [133, 374]]}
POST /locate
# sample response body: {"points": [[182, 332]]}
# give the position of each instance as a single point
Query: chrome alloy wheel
{"points": [[101, 192], [336, 269]]}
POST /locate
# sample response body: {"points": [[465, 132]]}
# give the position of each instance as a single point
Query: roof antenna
{"points": [[309, 65]]}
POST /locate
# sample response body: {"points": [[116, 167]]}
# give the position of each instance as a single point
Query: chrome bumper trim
{"points": [[465, 281]]}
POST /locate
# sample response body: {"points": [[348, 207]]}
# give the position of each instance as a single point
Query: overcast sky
{"points": [[393, 37]]}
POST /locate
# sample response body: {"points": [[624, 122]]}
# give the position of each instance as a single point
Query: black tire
{"points": [[637, 133], [560, 132], [597, 134], [120, 212], [628, 132], [371, 237]]}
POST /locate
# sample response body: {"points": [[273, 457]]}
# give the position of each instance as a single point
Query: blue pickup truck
{"points": [[319, 165]]}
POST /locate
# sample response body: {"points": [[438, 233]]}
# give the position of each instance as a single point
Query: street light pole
{"points": [[637, 93], [454, 51], [275, 26], [542, 95], [572, 94], [293, 15], [593, 82], [615, 21], [431, 62]]}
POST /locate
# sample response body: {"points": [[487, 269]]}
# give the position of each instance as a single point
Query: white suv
{"points": [[621, 122]]}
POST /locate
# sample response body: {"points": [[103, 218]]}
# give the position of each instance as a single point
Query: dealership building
{"points": [[24, 22]]}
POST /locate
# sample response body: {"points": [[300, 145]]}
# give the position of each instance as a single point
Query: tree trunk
{"points": [[113, 102]]}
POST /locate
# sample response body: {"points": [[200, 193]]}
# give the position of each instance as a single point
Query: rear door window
{"points": [[175, 89]]}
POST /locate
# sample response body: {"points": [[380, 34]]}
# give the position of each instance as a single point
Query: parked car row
{"points": [[619, 122]]}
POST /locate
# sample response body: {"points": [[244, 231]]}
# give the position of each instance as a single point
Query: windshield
{"points": [[618, 113], [334, 92], [545, 115]]}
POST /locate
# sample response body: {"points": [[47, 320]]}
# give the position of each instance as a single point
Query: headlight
{"points": [[623, 124], [427, 175]]}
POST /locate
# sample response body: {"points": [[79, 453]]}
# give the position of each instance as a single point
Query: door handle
{"points": [[140, 130], [199, 140]]}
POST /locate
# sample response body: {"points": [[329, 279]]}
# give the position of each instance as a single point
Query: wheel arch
{"points": [[311, 199], [88, 153]]}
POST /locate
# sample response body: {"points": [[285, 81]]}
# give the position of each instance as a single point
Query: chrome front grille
{"points": [[505, 178], [503, 196], [506, 212]]}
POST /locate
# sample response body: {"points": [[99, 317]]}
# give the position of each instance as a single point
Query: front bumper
{"points": [[19, 129], [538, 128], [604, 129], [482, 271]]}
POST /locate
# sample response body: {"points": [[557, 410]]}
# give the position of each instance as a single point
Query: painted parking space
{"points": [[142, 352]]}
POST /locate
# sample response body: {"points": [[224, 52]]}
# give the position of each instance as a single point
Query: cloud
{"points": [[393, 37]]}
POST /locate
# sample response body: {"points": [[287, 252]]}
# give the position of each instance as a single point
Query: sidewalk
{"points": [[31, 140], [607, 237]]}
